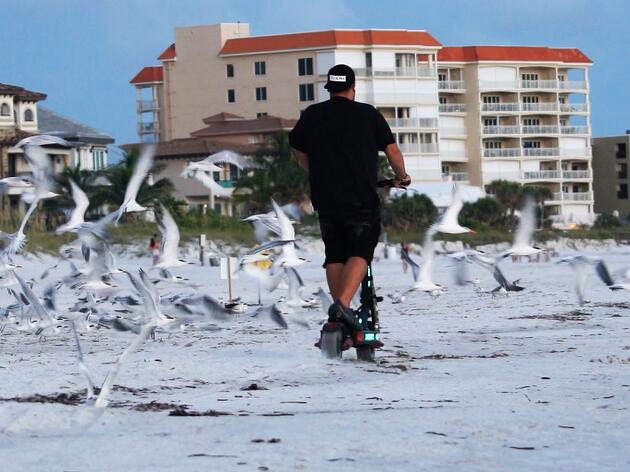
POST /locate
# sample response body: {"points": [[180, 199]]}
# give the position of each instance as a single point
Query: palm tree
{"points": [[277, 176], [540, 194], [508, 194], [118, 177]]}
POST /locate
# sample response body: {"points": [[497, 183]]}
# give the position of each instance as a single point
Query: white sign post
{"points": [[229, 266]]}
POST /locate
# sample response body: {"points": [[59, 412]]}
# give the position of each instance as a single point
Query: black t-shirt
{"points": [[342, 139]]}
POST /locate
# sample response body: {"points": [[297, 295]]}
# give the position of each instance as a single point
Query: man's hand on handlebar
{"points": [[396, 182]]}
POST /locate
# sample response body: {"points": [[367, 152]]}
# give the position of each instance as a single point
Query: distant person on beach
{"points": [[154, 248], [404, 251], [337, 142]]}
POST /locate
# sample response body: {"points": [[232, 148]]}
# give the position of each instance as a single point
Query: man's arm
{"points": [[302, 159], [396, 161]]}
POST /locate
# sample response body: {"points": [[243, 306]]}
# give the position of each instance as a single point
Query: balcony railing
{"points": [[573, 107], [507, 106], [539, 84], [572, 84], [148, 127], [452, 108], [538, 129], [542, 175], [451, 85], [573, 196], [413, 122], [541, 152], [418, 147], [453, 154], [501, 130], [396, 98], [574, 129], [576, 174], [577, 152], [147, 105], [502, 152], [498, 84], [455, 177], [545, 106], [396, 72]]}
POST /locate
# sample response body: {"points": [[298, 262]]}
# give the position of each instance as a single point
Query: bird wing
{"points": [[428, 251], [170, 235], [140, 171], [526, 225], [287, 232], [602, 271], [266, 246], [32, 299], [42, 140], [147, 294], [81, 204], [273, 313], [324, 299], [207, 181], [500, 278], [449, 218], [295, 283]]}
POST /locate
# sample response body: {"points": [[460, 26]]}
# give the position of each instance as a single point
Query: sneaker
{"points": [[337, 312]]}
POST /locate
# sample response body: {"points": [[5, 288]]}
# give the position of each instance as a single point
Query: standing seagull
{"points": [[448, 223], [140, 171]]}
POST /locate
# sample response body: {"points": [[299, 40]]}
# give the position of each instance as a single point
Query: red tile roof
{"points": [[262, 125], [328, 38], [169, 53], [221, 117], [511, 53], [148, 74]]}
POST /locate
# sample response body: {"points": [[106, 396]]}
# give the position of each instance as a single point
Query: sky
{"points": [[82, 53]]}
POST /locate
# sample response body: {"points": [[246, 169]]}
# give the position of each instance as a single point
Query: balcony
{"points": [[572, 196], [453, 108], [145, 128], [452, 131], [418, 148], [573, 107], [501, 130], [539, 84], [413, 122], [396, 98], [572, 85], [540, 107], [451, 85], [498, 85], [542, 175], [541, 152], [147, 105], [455, 177], [574, 129], [507, 106], [396, 72], [576, 174], [538, 129]]}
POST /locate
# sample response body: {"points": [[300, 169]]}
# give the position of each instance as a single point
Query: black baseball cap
{"points": [[340, 78]]}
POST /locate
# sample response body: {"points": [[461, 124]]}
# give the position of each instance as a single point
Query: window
{"points": [[368, 60], [442, 77], [305, 66], [491, 99], [620, 150], [260, 68], [307, 92], [530, 99], [5, 110], [532, 77], [405, 60], [261, 94], [562, 100], [492, 144], [622, 170], [531, 121], [531, 144], [442, 100], [231, 96], [490, 122], [622, 191], [260, 114], [28, 115], [229, 70], [98, 159]]}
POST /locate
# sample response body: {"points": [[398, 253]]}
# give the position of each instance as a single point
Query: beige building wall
{"points": [[611, 174]]}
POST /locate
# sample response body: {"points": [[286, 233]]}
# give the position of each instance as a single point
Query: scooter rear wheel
{"points": [[365, 353], [330, 344]]}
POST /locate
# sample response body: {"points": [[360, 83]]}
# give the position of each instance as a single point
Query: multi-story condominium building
{"points": [[610, 174], [519, 114], [468, 114]]}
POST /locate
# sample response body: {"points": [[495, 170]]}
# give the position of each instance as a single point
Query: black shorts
{"points": [[348, 235]]}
